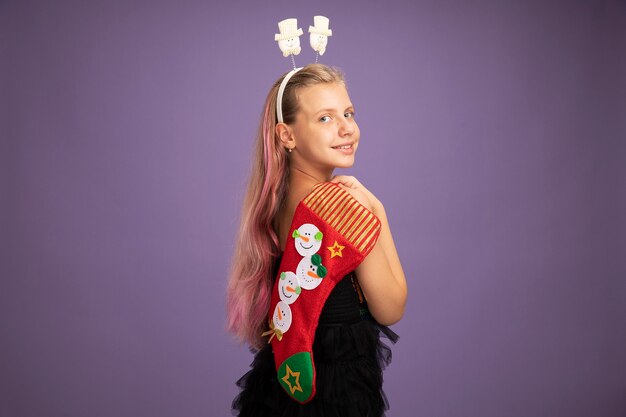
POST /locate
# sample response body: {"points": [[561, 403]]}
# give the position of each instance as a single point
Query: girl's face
{"points": [[325, 132]]}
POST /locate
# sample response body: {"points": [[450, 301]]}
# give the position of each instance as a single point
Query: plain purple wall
{"points": [[493, 132]]}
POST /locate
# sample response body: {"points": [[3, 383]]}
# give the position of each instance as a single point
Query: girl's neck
{"points": [[301, 181], [307, 176]]}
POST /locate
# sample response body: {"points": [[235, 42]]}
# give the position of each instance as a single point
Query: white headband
{"points": [[279, 96]]}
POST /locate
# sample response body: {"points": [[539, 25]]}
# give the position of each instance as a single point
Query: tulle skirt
{"points": [[349, 360]]}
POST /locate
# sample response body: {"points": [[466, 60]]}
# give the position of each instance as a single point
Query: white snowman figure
{"points": [[310, 272], [281, 319], [289, 37], [288, 287], [319, 34], [308, 239]]}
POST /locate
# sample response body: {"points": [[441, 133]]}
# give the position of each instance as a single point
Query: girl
{"points": [[317, 135]]}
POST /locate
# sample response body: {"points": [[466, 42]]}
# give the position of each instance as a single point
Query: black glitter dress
{"points": [[349, 359]]}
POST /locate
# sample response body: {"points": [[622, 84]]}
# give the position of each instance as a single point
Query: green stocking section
{"points": [[296, 376]]}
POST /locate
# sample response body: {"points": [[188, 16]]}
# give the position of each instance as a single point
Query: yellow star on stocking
{"points": [[336, 249], [292, 387]]}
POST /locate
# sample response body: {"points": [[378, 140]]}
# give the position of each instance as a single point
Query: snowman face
{"points": [[318, 41], [308, 239], [307, 274], [282, 317], [288, 287], [285, 44]]}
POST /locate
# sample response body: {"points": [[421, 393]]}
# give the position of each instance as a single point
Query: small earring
{"points": [[289, 150]]}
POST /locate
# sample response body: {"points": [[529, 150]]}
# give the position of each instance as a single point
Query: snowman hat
{"points": [[320, 26], [288, 29]]}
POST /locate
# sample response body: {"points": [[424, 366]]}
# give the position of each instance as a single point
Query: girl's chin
{"points": [[344, 164]]}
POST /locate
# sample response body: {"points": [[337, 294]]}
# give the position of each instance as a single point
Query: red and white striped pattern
{"points": [[334, 205]]}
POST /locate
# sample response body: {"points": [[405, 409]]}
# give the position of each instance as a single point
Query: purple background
{"points": [[493, 132]]}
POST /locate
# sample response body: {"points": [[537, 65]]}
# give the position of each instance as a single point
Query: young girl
{"points": [[318, 134]]}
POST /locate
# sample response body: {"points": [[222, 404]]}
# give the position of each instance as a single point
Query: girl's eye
{"points": [[350, 114], [325, 119]]}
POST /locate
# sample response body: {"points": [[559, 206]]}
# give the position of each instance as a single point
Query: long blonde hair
{"points": [[257, 245]]}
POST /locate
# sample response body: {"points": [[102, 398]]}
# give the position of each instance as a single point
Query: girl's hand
{"points": [[357, 190]]}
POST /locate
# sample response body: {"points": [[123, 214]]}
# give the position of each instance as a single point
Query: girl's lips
{"points": [[345, 149]]}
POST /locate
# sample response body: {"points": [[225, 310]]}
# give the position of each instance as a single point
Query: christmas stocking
{"points": [[331, 234]]}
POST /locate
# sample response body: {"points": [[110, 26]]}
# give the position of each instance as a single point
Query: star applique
{"points": [[336, 249], [292, 387]]}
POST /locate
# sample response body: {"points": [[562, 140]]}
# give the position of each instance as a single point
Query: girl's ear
{"points": [[285, 135]]}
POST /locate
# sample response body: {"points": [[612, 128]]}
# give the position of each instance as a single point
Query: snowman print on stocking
{"points": [[288, 287], [310, 272], [308, 239]]}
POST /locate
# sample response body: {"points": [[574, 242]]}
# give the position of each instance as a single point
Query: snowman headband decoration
{"points": [[289, 43]]}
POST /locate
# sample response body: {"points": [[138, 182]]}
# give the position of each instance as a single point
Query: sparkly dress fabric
{"points": [[349, 359]]}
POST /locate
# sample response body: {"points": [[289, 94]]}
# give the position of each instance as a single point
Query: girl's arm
{"points": [[380, 274]]}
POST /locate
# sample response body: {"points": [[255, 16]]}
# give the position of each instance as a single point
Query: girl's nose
{"points": [[346, 128]]}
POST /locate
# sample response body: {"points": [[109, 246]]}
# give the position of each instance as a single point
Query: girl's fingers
{"points": [[346, 180]]}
